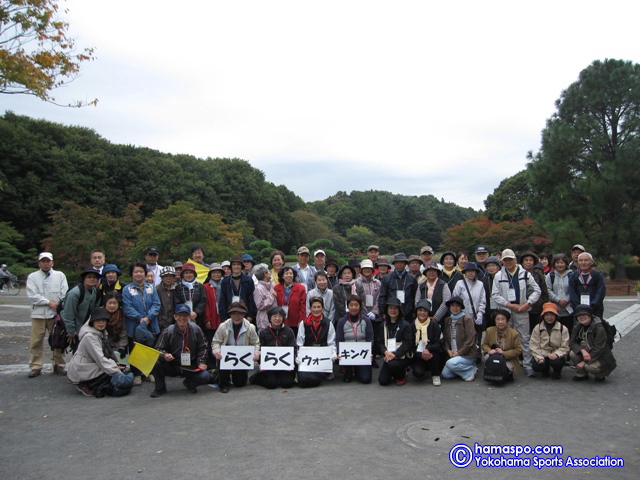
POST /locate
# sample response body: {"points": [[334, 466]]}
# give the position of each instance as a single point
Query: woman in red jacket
{"points": [[292, 297]]}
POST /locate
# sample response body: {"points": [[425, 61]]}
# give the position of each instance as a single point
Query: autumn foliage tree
{"points": [[76, 230], [37, 54], [518, 236]]}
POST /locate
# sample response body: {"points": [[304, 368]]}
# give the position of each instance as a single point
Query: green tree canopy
{"points": [[176, 229], [508, 202], [585, 179]]}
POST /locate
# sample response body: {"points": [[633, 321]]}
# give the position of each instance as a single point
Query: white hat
{"points": [[319, 251], [366, 263], [45, 255], [508, 253]]}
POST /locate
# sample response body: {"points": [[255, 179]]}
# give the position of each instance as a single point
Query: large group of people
{"points": [[419, 316]]}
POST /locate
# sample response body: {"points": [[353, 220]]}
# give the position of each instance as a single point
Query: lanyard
{"points": [[185, 343], [512, 277], [313, 332], [278, 341], [354, 329], [404, 282], [585, 284]]}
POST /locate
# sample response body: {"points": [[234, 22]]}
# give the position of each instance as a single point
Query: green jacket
{"points": [[593, 339], [74, 313]]}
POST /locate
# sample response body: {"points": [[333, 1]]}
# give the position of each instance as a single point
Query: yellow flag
{"points": [[143, 358], [202, 272]]}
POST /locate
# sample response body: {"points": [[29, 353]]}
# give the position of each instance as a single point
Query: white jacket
{"points": [[43, 288], [529, 289], [478, 297]]}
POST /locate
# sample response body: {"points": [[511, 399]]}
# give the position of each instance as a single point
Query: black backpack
{"points": [[611, 332], [58, 334], [61, 303], [495, 368]]}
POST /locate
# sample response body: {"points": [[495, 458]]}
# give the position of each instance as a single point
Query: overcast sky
{"points": [[412, 97]]}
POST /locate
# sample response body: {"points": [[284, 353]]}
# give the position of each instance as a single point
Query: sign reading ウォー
{"points": [[277, 358], [236, 357], [315, 359]]}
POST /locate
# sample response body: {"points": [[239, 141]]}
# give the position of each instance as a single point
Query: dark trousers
{"points": [[364, 373], [567, 322], [165, 369], [310, 379], [239, 377], [116, 385], [393, 370], [275, 378], [534, 319], [556, 364], [211, 359], [420, 367]]}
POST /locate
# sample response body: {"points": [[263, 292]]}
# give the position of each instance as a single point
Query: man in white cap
{"points": [[516, 290], [576, 250], [46, 287], [319, 257]]}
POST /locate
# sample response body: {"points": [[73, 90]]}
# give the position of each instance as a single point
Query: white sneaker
{"points": [[151, 378], [472, 377], [436, 381], [137, 381]]}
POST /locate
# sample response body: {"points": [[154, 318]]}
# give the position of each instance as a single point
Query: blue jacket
{"points": [[139, 303], [596, 290]]}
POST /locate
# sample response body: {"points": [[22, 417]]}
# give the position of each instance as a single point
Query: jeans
{"points": [[460, 366]]}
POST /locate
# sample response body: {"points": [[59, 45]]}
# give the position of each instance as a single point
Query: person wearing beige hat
{"points": [[576, 250], [373, 254], [371, 287], [235, 331], [304, 271], [415, 264], [516, 290], [549, 343], [426, 255]]}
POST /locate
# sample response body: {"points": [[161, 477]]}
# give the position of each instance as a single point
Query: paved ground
{"points": [[338, 430]]}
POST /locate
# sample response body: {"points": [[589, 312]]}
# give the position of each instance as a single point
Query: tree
{"points": [[519, 236], [76, 230], [37, 55], [585, 178], [508, 202], [360, 237], [176, 229]]}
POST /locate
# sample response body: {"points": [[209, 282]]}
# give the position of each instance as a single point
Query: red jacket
{"points": [[297, 303], [212, 319]]}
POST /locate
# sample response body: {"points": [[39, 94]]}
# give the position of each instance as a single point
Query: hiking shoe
{"points": [[85, 390], [59, 370], [191, 389], [374, 364], [34, 373], [556, 376], [401, 382], [151, 378], [599, 379], [158, 393], [580, 378], [436, 381], [224, 388], [472, 377], [137, 381]]}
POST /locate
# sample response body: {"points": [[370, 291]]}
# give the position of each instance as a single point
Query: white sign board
{"points": [[277, 358], [315, 359], [355, 353], [235, 357]]}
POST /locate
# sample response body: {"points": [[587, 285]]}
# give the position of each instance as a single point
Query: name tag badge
{"points": [[391, 344], [134, 292], [236, 298], [585, 300], [286, 310], [368, 300], [420, 348], [511, 295], [149, 290], [190, 305], [400, 295], [185, 359]]}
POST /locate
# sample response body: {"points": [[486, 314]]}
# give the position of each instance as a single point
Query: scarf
{"points": [[115, 323], [422, 331], [352, 283], [313, 322], [189, 285], [449, 273]]}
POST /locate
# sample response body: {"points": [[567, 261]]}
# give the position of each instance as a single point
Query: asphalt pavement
{"points": [[48, 430]]}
